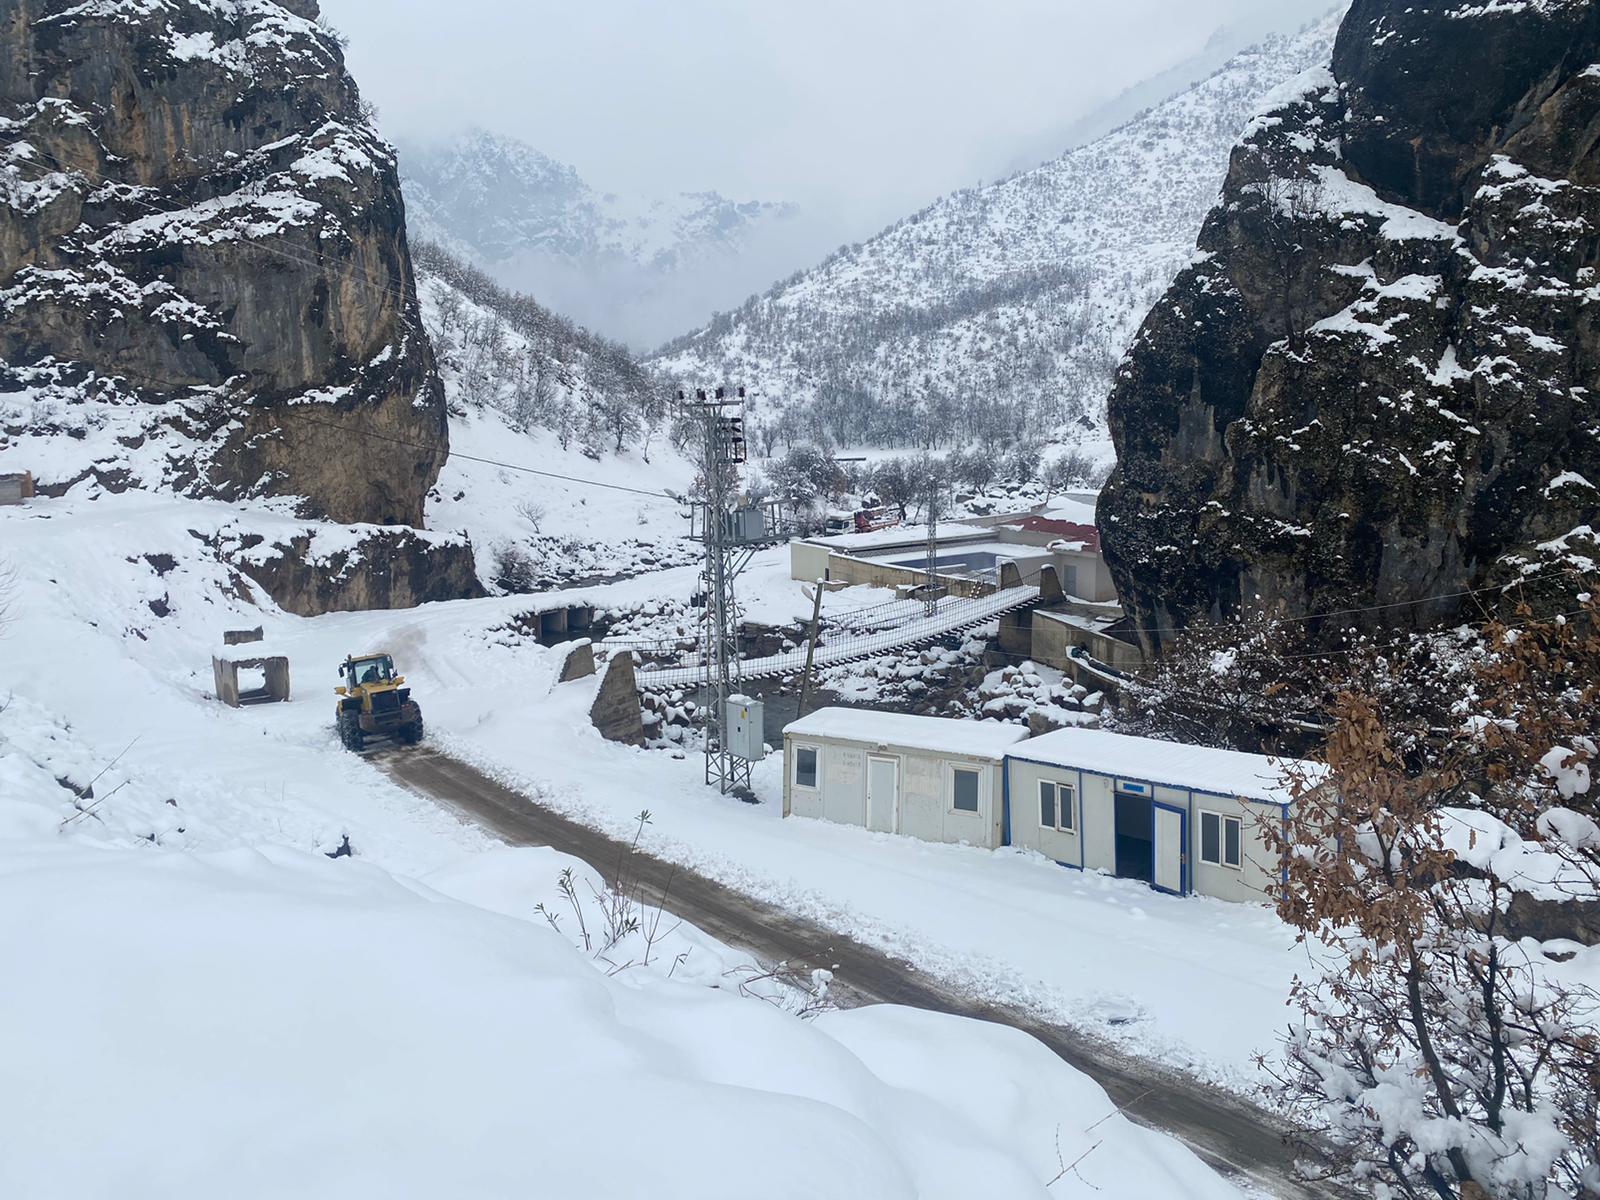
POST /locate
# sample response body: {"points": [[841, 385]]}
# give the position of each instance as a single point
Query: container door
{"points": [[883, 793], [1169, 842]]}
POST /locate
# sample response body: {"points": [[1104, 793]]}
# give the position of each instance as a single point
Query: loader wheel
{"points": [[350, 731], [412, 734]]}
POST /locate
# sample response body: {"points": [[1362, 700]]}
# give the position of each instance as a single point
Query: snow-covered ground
{"points": [[1097, 953], [201, 1001]]}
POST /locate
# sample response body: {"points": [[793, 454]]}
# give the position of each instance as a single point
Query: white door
{"points": [[1169, 849], [883, 793]]}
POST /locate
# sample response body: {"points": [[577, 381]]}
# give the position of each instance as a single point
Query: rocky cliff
{"points": [[203, 266], [1378, 384]]}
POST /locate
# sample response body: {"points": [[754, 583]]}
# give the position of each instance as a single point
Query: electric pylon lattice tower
{"points": [[731, 527]]}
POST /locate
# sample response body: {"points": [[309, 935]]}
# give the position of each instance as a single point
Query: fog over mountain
{"points": [[633, 266], [855, 115]]}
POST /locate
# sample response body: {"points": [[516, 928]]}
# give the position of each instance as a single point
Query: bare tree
{"points": [[1444, 1051], [1292, 211], [620, 419], [565, 420], [8, 594], [767, 437]]}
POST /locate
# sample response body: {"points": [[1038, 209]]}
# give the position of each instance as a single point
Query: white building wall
{"points": [[926, 796], [1260, 876], [1099, 823], [1026, 830]]}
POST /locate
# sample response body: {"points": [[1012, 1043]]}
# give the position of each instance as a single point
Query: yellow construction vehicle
{"points": [[374, 702]]}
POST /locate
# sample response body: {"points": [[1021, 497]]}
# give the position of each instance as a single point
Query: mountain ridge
{"points": [[1024, 292]]}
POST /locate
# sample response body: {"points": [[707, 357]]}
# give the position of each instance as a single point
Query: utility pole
{"points": [[930, 586], [731, 529], [811, 648]]}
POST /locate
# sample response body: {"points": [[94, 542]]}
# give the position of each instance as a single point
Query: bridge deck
{"points": [[953, 616]]}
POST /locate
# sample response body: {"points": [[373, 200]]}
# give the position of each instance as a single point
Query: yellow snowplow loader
{"points": [[374, 702]]}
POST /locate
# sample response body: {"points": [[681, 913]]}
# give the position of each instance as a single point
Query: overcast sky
{"points": [[870, 108]]}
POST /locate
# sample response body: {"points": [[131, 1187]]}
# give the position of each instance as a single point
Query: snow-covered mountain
{"points": [[631, 266], [999, 312], [527, 388]]}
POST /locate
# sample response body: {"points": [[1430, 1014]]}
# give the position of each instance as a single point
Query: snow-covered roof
{"points": [[919, 550], [977, 739], [1091, 622], [247, 651], [1200, 768], [901, 535]]}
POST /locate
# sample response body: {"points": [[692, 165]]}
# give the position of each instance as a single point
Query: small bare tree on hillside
{"points": [[1291, 212]]}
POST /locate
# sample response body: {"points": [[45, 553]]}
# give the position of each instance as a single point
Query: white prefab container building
{"points": [[1185, 819], [934, 778]]}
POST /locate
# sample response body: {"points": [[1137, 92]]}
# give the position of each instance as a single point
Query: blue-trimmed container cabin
{"points": [[1184, 819]]}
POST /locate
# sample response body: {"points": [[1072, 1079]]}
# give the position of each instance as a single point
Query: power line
{"points": [[1341, 612], [491, 462]]}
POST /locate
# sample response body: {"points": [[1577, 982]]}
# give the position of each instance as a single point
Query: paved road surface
{"points": [[1239, 1140]]}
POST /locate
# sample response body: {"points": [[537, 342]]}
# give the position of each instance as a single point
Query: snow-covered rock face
{"points": [[1000, 310], [1379, 378], [204, 277]]}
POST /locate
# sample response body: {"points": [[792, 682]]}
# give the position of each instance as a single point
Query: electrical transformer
{"points": [[744, 729]]}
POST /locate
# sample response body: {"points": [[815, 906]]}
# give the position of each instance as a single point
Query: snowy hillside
{"points": [[999, 312], [526, 388], [189, 965], [626, 264]]}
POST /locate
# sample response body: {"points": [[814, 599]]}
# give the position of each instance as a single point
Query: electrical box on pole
{"points": [[746, 735], [732, 528]]}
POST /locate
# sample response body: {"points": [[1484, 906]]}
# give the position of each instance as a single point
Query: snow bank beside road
{"points": [[262, 1022]]}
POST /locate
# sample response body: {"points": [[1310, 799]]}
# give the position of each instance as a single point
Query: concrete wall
{"points": [[808, 561], [1092, 844], [868, 573], [1051, 638], [1094, 578], [925, 790]]}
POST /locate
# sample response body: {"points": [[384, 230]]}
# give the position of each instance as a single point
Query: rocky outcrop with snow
{"points": [[998, 311], [203, 266], [1380, 376]]}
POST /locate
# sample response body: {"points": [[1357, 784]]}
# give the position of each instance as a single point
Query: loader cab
{"points": [[373, 669]]}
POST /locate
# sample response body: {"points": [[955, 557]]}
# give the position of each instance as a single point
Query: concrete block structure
{"points": [[246, 671], [15, 487], [1062, 538]]}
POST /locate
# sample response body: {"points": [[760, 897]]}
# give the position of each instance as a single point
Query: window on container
{"points": [[805, 766], [964, 789], [1055, 805], [1221, 840]]}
